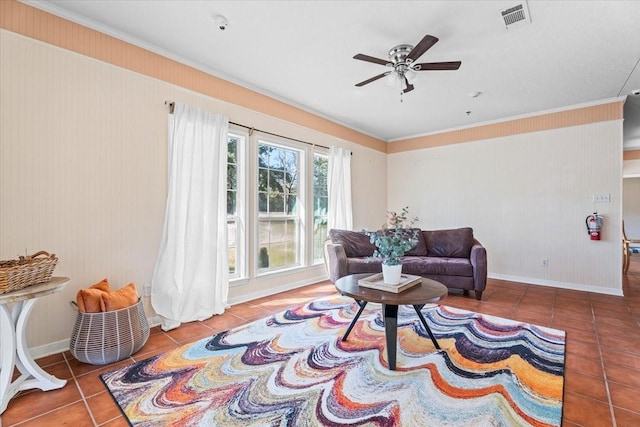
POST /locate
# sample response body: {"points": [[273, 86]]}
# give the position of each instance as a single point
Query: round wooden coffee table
{"points": [[429, 291]]}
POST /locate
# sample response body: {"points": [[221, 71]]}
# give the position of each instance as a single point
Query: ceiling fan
{"points": [[402, 63]]}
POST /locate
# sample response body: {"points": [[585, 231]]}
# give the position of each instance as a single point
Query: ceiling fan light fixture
{"points": [[402, 61], [393, 78], [410, 75]]}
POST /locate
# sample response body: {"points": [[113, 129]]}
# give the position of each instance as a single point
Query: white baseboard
{"points": [[554, 284], [49, 349], [271, 291], [63, 345]]}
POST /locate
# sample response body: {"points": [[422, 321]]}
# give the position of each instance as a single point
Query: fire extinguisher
{"points": [[594, 225]]}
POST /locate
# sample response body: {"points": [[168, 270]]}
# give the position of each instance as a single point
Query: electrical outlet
{"points": [[602, 198], [146, 290], [545, 262]]}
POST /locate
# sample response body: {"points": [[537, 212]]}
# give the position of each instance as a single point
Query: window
{"points": [[320, 204], [236, 206], [279, 197]]}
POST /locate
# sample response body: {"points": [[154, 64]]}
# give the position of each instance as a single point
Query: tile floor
{"points": [[602, 385]]}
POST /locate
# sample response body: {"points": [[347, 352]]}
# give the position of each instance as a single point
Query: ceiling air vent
{"points": [[515, 15]]}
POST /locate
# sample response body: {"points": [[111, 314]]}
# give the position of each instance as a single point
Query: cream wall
{"points": [[631, 168], [526, 196], [83, 174], [631, 207]]}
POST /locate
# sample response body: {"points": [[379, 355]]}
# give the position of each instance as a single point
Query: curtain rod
{"points": [[172, 105]]}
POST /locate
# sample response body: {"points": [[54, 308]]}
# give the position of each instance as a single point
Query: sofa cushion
{"points": [[355, 244], [420, 249], [364, 265], [429, 266], [455, 243]]}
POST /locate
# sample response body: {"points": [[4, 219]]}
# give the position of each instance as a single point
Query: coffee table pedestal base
{"points": [[390, 313]]}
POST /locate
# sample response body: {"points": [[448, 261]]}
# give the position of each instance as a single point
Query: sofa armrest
{"points": [[478, 260], [336, 260]]}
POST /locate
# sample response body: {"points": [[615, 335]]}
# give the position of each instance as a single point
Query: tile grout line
{"points": [[604, 372], [84, 399]]}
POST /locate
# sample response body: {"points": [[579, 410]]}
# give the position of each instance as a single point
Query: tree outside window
{"points": [[278, 216]]}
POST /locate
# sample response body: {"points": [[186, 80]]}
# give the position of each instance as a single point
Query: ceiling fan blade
{"points": [[368, 58], [432, 66], [372, 79], [425, 44], [409, 87]]}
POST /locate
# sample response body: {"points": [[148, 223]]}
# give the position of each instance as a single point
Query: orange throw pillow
{"points": [[122, 298], [88, 300]]}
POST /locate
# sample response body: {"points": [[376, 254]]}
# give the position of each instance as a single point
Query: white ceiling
{"points": [[571, 53]]}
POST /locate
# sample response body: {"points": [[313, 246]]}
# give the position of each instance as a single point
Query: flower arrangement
{"points": [[395, 238]]}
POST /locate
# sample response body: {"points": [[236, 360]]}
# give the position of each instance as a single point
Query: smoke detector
{"points": [[516, 16]]}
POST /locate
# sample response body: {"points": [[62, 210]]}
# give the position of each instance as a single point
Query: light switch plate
{"points": [[602, 198]]}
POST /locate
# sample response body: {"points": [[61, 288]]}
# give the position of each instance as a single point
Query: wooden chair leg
{"points": [[627, 260]]}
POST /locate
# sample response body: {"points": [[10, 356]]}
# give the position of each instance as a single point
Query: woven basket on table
{"points": [[27, 270], [110, 336]]}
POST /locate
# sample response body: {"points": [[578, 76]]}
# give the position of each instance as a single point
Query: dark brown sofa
{"points": [[452, 257]]}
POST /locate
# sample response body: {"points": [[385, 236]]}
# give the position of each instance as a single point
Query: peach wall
{"points": [[575, 117], [631, 155], [37, 24]]}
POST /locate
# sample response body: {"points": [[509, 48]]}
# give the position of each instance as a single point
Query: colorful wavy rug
{"points": [[292, 369]]}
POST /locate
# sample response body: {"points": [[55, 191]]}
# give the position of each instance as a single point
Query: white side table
{"points": [[15, 308]]}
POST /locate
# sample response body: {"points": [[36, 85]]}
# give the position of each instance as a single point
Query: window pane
{"points": [[276, 230], [276, 158], [235, 194], [262, 203], [276, 181], [291, 205], [290, 241], [232, 176], [263, 179], [232, 150], [231, 202], [278, 197], [276, 203], [277, 255], [232, 245], [292, 183], [263, 155], [320, 170], [263, 232], [320, 205]]}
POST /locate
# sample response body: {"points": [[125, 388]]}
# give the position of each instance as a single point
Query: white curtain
{"points": [[191, 277], [339, 183]]}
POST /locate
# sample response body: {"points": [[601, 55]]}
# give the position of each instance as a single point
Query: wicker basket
{"points": [[28, 270], [110, 336]]}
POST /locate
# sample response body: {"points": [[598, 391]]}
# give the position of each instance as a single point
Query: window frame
{"points": [[242, 207], [300, 216]]}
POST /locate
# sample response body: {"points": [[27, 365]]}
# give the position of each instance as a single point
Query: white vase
{"points": [[391, 274]]}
